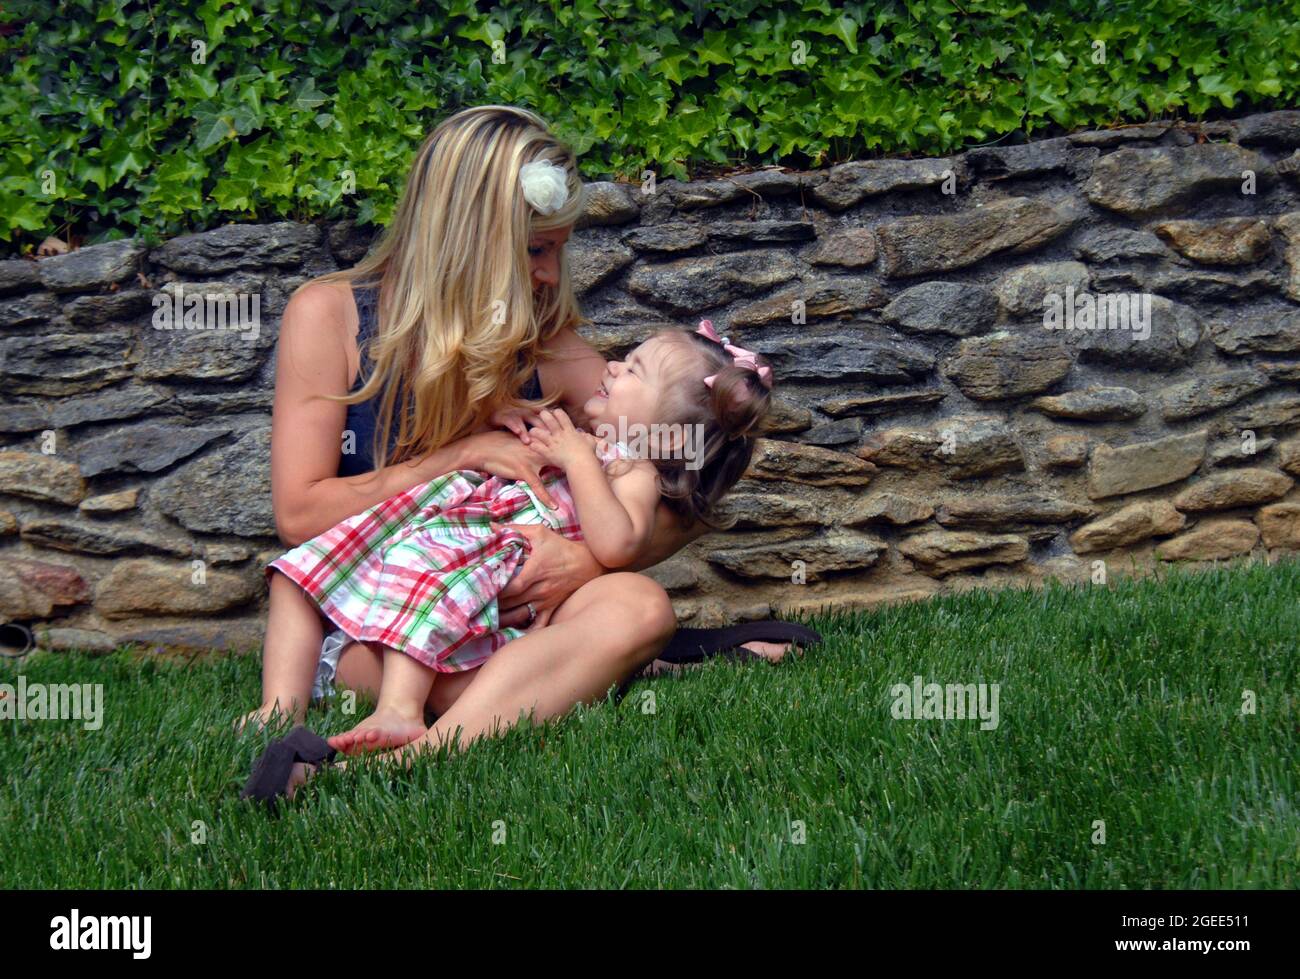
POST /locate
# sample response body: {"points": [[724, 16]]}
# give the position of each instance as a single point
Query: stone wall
{"points": [[933, 434]]}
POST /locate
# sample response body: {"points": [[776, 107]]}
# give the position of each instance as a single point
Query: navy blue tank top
{"points": [[362, 421]]}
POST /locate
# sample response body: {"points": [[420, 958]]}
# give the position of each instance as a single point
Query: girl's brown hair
{"points": [[732, 415]]}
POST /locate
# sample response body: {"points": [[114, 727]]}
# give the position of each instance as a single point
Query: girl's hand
{"points": [[555, 569], [516, 420], [501, 454], [557, 440]]}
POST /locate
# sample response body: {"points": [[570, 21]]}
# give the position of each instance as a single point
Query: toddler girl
{"points": [[420, 572]]}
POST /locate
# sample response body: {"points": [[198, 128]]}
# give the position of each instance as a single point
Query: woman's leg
{"points": [[604, 632], [294, 632]]}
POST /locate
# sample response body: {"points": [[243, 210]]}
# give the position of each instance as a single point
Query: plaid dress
{"points": [[422, 570]]}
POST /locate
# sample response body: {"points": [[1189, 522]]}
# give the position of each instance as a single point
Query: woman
{"points": [[465, 304]]}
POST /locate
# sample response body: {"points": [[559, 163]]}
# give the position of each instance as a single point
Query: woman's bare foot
{"points": [[771, 651], [269, 715], [384, 729]]}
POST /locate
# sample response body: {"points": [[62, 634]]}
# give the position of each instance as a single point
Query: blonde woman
{"points": [[463, 312]]}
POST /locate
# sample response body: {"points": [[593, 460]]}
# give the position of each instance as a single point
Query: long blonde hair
{"points": [[460, 329]]}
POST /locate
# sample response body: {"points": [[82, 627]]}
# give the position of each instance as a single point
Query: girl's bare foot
{"points": [[269, 715], [385, 729]]}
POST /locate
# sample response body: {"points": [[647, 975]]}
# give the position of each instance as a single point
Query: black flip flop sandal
{"points": [[697, 645], [271, 771]]}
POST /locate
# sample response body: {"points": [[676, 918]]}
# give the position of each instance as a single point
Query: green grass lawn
{"points": [[1120, 704]]}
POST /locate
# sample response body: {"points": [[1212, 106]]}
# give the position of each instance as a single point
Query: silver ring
{"points": [[532, 612]]}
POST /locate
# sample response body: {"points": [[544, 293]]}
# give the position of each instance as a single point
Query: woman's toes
{"points": [[771, 651]]}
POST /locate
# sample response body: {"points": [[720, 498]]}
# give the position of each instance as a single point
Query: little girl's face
{"points": [[632, 388]]}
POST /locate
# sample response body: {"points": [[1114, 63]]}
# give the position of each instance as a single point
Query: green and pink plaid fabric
{"points": [[422, 570]]}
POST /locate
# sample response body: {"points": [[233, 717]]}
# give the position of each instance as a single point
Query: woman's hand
{"points": [[555, 569], [502, 454], [516, 420]]}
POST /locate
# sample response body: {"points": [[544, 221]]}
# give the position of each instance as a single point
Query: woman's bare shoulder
{"points": [[320, 324]]}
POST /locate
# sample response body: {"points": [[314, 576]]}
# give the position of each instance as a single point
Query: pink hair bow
{"points": [[739, 355]]}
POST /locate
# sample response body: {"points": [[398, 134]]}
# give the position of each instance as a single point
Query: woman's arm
{"points": [[307, 494]]}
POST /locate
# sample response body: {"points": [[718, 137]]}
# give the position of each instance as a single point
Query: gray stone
{"points": [[349, 242], [765, 509], [961, 447], [808, 464], [847, 356], [850, 183], [1203, 394], [687, 286], [676, 236], [1007, 365], [24, 417], [237, 635], [1143, 465], [1141, 182], [1026, 159], [761, 232], [606, 203], [1280, 412], [61, 640], [842, 432], [940, 552], [143, 448], [1238, 451], [1120, 134], [1270, 128], [817, 557], [1097, 403], [952, 308], [1271, 332], [699, 193], [102, 538], [1215, 284], [284, 244], [1009, 512], [816, 299], [888, 508], [1175, 332], [203, 355], [126, 305], [91, 267], [125, 402], [592, 264], [871, 405], [26, 310], [678, 573], [852, 248], [1106, 244], [18, 275], [942, 243], [1021, 291], [60, 364], [227, 491]]}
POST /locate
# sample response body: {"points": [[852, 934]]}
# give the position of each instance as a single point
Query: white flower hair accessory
{"points": [[546, 186]]}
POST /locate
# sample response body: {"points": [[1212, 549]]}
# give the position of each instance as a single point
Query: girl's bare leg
{"points": [[399, 716], [294, 632]]}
